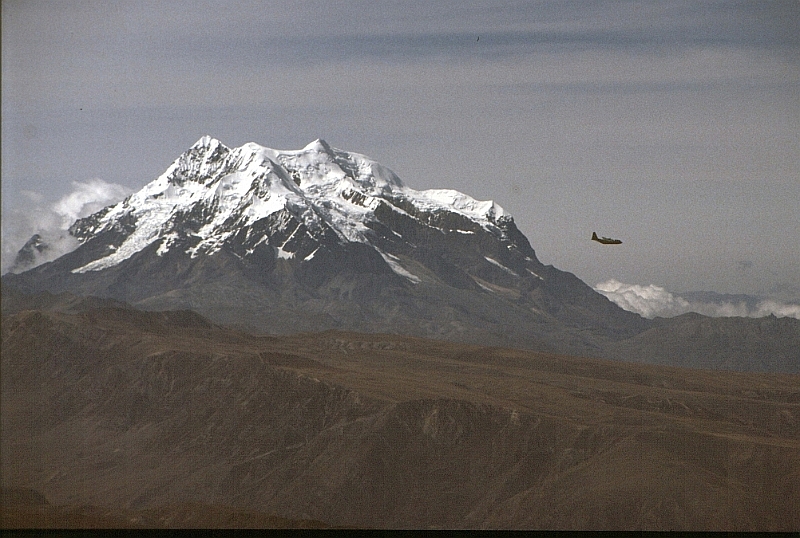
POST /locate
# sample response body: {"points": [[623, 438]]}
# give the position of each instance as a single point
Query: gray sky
{"points": [[674, 126]]}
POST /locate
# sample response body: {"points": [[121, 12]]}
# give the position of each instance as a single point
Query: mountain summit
{"points": [[318, 238], [257, 202]]}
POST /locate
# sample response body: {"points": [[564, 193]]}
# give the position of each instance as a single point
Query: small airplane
{"points": [[605, 240]]}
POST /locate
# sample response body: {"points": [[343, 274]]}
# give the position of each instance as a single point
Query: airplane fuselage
{"points": [[605, 240]]}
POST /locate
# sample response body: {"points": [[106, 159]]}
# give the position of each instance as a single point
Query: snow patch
{"points": [[487, 288], [531, 272], [163, 248], [484, 212], [394, 263], [500, 265], [282, 254]]}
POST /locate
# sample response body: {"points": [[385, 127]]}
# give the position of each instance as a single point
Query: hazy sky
{"points": [[674, 126]]}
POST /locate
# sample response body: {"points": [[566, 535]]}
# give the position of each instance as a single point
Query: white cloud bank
{"points": [[51, 221], [651, 301]]}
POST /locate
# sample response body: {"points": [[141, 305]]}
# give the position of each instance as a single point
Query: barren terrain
{"points": [[166, 420]]}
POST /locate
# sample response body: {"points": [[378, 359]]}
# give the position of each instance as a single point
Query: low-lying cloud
{"points": [[654, 301], [51, 221]]}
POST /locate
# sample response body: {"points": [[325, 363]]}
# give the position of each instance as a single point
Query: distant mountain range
{"points": [[320, 238], [654, 301]]}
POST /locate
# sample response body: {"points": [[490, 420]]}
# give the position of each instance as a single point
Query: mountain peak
{"points": [[254, 201], [206, 141], [319, 145]]}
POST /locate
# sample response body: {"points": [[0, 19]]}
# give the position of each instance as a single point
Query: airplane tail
{"points": [[594, 236]]}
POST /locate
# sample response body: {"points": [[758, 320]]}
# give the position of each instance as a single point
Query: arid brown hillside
{"points": [[172, 419]]}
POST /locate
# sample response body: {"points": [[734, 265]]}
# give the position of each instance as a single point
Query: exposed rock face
{"points": [[29, 253]]}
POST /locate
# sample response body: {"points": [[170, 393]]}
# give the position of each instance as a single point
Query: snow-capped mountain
{"points": [[290, 202], [322, 238]]}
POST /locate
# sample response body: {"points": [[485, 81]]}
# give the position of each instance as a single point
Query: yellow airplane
{"points": [[605, 240]]}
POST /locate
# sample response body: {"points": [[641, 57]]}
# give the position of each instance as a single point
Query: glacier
{"points": [[232, 188]]}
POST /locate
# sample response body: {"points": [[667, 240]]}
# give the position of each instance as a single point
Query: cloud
{"points": [[654, 301], [781, 310], [87, 198], [649, 301], [51, 221]]}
